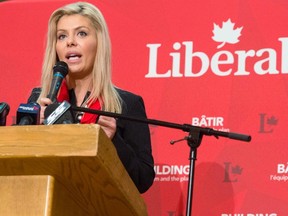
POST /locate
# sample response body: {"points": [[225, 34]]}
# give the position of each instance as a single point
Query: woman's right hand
{"points": [[44, 102]]}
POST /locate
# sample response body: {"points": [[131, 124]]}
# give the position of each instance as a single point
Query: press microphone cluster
{"points": [[4, 111], [29, 114]]}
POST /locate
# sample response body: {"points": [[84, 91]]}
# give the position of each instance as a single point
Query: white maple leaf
{"points": [[226, 34]]}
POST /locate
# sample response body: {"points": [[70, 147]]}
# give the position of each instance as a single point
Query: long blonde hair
{"points": [[103, 88]]}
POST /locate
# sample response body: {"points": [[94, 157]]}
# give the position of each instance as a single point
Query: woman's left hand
{"points": [[108, 124]]}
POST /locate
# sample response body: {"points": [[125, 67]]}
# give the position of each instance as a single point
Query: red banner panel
{"points": [[216, 64]]}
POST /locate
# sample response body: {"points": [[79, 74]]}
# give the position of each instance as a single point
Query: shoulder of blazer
{"points": [[128, 99]]}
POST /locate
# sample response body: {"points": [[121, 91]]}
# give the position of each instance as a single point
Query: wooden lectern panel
{"points": [[23, 195], [72, 169]]}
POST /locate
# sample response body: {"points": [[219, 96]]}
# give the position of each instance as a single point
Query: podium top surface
{"points": [[49, 140], [80, 158]]}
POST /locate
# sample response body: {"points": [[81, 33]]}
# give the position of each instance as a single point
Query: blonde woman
{"points": [[78, 35]]}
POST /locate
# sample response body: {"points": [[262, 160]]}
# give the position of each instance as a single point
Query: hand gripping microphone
{"points": [[4, 111], [60, 70], [28, 114]]}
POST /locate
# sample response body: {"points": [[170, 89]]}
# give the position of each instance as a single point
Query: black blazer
{"points": [[133, 143], [131, 140]]}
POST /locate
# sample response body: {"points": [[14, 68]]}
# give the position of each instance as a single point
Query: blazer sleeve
{"points": [[133, 143]]}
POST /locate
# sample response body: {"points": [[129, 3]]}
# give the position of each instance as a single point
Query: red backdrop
{"points": [[219, 64]]}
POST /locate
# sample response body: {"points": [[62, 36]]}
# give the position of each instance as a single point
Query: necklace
{"points": [[79, 115]]}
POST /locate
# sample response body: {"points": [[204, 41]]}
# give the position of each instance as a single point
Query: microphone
{"points": [[60, 70], [34, 95], [58, 114], [4, 111], [28, 114]]}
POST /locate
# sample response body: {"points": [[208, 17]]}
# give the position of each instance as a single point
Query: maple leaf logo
{"points": [[237, 170], [226, 34], [272, 120]]}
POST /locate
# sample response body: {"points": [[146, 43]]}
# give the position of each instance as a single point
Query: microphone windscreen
{"points": [[61, 67], [32, 110], [34, 95], [4, 111], [49, 109]]}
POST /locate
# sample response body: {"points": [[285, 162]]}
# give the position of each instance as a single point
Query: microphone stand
{"points": [[193, 139]]}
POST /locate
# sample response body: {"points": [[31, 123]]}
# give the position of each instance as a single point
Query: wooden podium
{"points": [[63, 170]]}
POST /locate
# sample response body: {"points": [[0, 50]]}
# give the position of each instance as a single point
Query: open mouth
{"points": [[73, 56]]}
